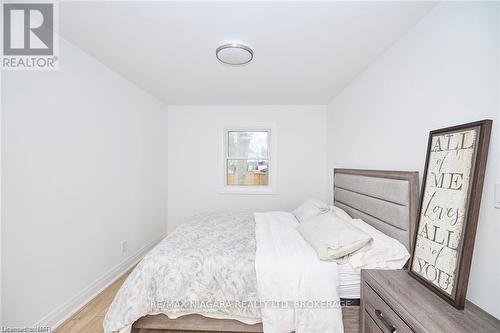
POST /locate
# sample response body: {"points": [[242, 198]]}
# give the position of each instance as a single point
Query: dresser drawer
{"points": [[381, 313], [407, 305], [369, 325]]}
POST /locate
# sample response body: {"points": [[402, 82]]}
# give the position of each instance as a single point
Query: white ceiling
{"points": [[305, 52]]}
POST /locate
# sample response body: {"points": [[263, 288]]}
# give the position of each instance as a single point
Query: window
{"points": [[247, 159]]}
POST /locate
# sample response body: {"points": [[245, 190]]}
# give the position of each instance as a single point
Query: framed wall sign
{"points": [[449, 209]]}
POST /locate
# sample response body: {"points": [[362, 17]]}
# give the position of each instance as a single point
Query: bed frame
{"points": [[387, 200]]}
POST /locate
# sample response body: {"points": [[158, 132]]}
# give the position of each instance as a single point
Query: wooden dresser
{"points": [[392, 301]]}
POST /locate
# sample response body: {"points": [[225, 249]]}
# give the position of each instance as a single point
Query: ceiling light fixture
{"points": [[234, 54]]}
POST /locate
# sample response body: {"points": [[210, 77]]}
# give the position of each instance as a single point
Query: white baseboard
{"points": [[58, 316]]}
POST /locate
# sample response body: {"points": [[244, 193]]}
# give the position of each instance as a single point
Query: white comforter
{"points": [[298, 292]]}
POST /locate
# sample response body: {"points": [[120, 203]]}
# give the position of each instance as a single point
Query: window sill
{"points": [[244, 190]]}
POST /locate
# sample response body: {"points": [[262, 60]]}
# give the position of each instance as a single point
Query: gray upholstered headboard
{"points": [[387, 200]]}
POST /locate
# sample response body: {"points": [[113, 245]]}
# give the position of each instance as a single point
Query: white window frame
{"points": [[272, 160]]}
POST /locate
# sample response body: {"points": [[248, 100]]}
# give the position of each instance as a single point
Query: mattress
{"points": [[349, 282]]}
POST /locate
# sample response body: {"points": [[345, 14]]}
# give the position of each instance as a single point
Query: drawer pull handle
{"points": [[387, 324]]}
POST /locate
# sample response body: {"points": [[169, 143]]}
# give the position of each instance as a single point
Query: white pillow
{"points": [[332, 237], [309, 209], [341, 213], [383, 252]]}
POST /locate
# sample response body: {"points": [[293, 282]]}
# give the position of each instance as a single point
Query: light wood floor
{"points": [[89, 318]]}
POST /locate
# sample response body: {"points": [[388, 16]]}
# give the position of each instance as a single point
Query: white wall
{"points": [[195, 143], [443, 72], [84, 160], [1, 321]]}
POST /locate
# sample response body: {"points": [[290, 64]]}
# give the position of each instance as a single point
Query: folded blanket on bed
{"points": [[298, 292]]}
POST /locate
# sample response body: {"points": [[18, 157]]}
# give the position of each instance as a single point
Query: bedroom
{"points": [[133, 128]]}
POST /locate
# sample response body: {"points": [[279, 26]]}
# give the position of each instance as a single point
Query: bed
{"points": [[387, 200]]}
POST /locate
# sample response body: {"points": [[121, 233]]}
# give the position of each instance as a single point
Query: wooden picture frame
{"points": [[449, 209]]}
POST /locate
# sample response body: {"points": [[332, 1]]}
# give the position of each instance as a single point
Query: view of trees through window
{"points": [[247, 159]]}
